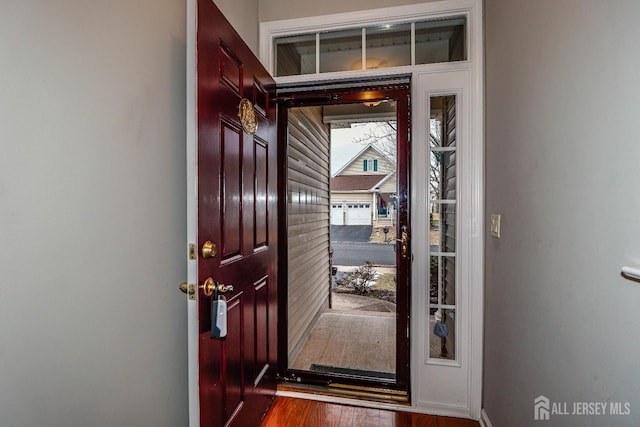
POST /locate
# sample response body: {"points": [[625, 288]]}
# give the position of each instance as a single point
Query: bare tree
{"points": [[383, 136]]}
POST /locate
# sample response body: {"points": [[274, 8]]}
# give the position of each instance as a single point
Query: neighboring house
{"points": [[364, 189]]}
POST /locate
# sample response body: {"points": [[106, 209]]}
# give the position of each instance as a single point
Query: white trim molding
{"points": [[192, 212], [484, 419]]}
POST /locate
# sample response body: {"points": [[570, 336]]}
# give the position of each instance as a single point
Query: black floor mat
{"points": [[348, 371]]}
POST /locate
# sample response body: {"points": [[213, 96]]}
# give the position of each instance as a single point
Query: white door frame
{"points": [[470, 189], [192, 213]]}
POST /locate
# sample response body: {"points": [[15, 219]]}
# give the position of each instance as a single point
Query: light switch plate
{"points": [[495, 225]]}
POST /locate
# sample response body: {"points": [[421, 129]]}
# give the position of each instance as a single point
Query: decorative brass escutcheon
{"points": [[209, 250], [248, 117], [209, 286]]}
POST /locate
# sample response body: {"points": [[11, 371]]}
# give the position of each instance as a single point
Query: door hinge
{"points": [[192, 251]]}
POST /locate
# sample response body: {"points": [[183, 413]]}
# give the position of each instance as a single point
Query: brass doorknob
{"points": [[209, 286], [209, 250]]}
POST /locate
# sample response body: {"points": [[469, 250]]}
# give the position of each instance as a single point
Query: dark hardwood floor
{"points": [[290, 412]]}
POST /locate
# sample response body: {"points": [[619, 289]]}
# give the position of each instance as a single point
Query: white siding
{"points": [[350, 197], [308, 218], [356, 167], [389, 186]]}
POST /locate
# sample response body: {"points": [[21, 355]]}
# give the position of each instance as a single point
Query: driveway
{"points": [[351, 233], [359, 253]]}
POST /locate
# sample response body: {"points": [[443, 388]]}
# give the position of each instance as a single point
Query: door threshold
{"points": [[351, 394]]}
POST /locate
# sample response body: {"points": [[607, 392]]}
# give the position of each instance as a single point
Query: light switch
{"points": [[495, 225]]}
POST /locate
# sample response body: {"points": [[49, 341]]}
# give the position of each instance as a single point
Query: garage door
{"points": [[337, 214], [358, 214]]}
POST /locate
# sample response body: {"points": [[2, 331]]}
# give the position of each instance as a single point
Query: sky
{"points": [[343, 148]]}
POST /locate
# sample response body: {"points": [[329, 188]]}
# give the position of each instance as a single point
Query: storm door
{"points": [[344, 296]]}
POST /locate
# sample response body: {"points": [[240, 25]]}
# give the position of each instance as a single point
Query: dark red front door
{"points": [[236, 212]]}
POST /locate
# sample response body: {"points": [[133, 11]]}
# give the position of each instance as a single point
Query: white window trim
{"points": [[399, 14], [474, 188]]}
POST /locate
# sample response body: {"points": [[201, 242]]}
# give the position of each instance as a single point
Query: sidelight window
{"points": [[442, 226]]}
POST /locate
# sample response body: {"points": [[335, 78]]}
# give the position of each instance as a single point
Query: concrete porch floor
{"points": [[358, 333]]}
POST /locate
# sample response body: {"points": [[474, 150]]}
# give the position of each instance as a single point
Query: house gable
{"points": [[369, 161]]}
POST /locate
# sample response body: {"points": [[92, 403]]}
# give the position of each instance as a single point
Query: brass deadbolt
{"points": [[209, 250], [188, 289]]}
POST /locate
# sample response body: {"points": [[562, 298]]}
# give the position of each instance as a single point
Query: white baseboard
{"points": [[484, 419]]}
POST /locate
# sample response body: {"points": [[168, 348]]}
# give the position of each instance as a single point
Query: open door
{"points": [[234, 163], [353, 347]]}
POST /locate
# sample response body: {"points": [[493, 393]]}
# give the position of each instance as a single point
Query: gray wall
{"points": [[562, 150], [92, 214], [275, 10], [243, 16]]}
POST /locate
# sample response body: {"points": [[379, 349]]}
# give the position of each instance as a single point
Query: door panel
{"points": [[237, 202], [260, 202], [231, 203]]}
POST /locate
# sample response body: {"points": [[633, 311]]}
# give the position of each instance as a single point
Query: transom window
{"points": [[372, 47]]}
